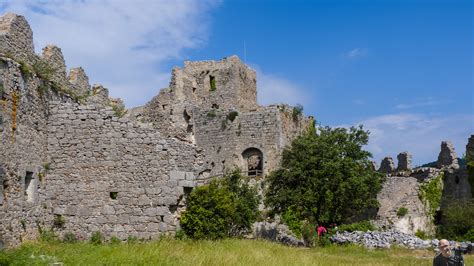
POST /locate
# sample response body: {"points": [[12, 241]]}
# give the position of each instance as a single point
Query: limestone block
{"points": [[177, 175], [186, 183]]}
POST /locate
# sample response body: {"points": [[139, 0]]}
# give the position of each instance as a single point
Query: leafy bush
{"points": [[293, 222], [457, 220], [363, 226], [180, 234], [402, 211], [69, 238], [309, 233], [422, 234], [297, 112], [430, 194], [96, 238], [224, 208], [469, 236], [325, 178]]}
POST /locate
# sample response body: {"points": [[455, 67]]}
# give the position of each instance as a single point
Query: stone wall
{"points": [[113, 176], [16, 37], [22, 154]]}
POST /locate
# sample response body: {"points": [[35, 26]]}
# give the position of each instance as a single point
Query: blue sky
{"points": [[404, 69]]}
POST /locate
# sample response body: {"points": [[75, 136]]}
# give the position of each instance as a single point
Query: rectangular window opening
{"points": [[212, 81], [113, 195], [30, 186]]}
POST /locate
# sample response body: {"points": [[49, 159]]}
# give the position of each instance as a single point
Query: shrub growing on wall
{"points": [[224, 208], [325, 177]]}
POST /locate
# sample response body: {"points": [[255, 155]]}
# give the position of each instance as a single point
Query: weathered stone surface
{"points": [[398, 192], [16, 37], [277, 232], [53, 56], [387, 165], [404, 161], [447, 156], [78, 78], [387, 239], [470, 149]]}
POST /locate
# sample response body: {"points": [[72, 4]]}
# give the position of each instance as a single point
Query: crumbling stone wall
{"points": [[16, 37], [113, 176], [23, 145]]}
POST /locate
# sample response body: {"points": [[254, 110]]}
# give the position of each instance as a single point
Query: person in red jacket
{"points": [[321, 230]]}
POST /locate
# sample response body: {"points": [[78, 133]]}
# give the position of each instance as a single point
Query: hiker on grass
{"points": [[447, 257]]}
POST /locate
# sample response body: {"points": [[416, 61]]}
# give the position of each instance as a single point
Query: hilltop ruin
{"points": [[75, 159], [71, 153]]}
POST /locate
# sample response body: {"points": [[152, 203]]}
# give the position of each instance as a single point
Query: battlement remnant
{"points": [[387, 165], [16, 37], [404, 161], [53, 56], [447, 156], [78, 78]]}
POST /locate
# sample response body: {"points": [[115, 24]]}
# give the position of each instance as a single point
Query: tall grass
{"points": [[224, 252]]}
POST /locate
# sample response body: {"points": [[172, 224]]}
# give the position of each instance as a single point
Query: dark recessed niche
{"points": [[187, 190], [113, 195]]}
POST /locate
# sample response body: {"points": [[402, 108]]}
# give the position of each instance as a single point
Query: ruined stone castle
{"points": [[73, 158]]}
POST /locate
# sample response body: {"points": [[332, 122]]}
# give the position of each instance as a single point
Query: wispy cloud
{"points": [[121, 44], [419, 134], [426, 102], [356, 53], [272, 89], [358, 102]]}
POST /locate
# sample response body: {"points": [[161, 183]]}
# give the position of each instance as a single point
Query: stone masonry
{"points": [[402, 190], [70, 152]]}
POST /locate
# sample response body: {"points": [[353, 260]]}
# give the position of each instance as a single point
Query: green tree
{"points": [[325, 177], [224, 208]]}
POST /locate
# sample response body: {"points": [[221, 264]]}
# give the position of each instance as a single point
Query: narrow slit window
{"points": [[212, 81]]}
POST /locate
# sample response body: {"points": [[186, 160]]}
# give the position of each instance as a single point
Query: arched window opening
{"points": [[253, 158]]}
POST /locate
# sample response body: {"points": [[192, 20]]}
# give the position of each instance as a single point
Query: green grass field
{"points": [[225, 252]]}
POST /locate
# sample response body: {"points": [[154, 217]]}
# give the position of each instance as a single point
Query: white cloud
{"points": [[426, 102], [419, 134], [272, 89], [355, 53], [121, 44]]}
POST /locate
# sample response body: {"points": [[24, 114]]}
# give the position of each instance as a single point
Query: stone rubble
{"points": [[277, 232], [387, 239]]}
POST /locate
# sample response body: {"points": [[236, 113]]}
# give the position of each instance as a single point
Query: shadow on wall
{"points": [[3, 185]]}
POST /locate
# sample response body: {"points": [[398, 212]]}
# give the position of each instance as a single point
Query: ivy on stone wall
{"points": [[430, 194]]}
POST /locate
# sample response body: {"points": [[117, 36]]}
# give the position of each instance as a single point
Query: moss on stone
{"points": [[430, 194]]}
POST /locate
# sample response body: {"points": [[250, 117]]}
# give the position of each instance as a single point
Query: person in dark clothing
{"points": [[447, 257]]}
